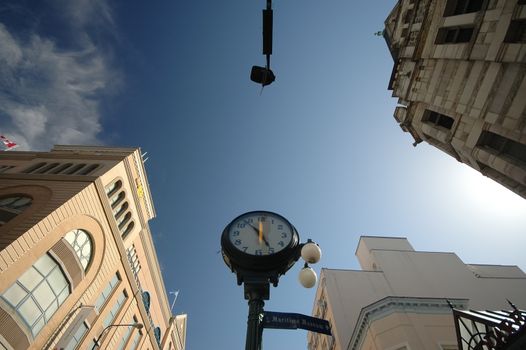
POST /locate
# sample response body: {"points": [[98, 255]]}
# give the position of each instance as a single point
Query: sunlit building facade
{"points": [[460, 77], [399, 300], [78, 268]]}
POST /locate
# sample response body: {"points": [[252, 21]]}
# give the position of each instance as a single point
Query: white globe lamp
{"points": [[311, 252], [308, 277]]}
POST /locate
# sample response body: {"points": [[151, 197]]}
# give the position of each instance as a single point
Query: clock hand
{"points": [[260, 235]]}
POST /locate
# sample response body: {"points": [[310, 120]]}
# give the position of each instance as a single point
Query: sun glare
{"points": [[490, 195]]}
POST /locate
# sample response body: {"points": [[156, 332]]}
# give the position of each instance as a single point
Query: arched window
{"points": [[61, 168], [34, 167], [76, 168], [38, 293], [118, 212], [121, 222], [115, 200], [128, 229], [146, 300], [89, 169], [80, 241], [113, 188], [46, 168], [11, 206], [157, 332]]}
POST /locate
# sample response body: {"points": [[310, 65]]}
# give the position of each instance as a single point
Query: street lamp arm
{"points": [[135, 325]]}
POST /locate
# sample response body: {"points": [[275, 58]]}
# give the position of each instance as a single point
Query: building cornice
{"points": [[392, 304]]}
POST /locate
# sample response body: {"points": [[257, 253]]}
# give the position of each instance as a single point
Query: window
{"points": [[89, 169], [38, 293], [77, 337], [5, 168], [438, 119], [46, 168], [117, 212], [80, 241], [502, 145], [122, 221], [146, 300], [127, 334], [516, 32], [135, 341], [408, 16], [61, 168], [157, 333], [10, 207], [112, 315], [105, 294], [129, 228], [454, 35], [33, 168], [115, 200], [113, 187], [458, 7], [76, 168]]}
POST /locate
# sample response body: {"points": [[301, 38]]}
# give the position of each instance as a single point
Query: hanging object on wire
{"points": [[264, 75]]}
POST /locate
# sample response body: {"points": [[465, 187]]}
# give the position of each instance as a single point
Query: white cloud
{"points": [[51, 95]]}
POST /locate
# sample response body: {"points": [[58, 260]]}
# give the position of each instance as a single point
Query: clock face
{"points": [[260, 233]]}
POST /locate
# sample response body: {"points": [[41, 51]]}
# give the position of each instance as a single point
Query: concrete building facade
{"points": [[77, 260], [399, 298], [460, 77]]}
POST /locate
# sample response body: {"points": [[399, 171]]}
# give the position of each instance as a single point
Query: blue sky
{"points": [[319, 146]]}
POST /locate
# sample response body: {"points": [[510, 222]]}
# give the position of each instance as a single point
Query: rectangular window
{"points": [[135, 341], [516, 32], [454, 35], [126, 336], [115, 309], [107, 292], [459, 7], [502, 145], [77, 337], [438, 119]]}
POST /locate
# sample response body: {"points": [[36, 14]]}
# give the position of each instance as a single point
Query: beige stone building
{"points": [[398, 300], [459, 75], [77, 260]]}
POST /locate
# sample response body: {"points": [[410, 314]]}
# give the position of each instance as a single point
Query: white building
{"points": [[399, 299]]}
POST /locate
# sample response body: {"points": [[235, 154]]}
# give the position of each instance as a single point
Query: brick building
{"points": [[77, 260]]}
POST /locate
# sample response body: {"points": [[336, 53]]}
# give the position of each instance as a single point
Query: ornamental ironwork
{"points": [[491, 330]]}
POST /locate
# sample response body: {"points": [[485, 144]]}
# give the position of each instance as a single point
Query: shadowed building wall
{"points": [[459, 75]]}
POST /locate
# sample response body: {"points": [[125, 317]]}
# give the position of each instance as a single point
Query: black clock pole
{"points": [[255, 293], [254, 329]]}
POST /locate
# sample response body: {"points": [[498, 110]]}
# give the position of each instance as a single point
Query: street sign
{"points": [[282, 320]]}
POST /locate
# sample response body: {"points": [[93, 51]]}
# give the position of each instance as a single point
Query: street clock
{"points": [[260, 243]]}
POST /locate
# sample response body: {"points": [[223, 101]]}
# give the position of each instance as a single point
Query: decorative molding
{"points": [[389, 305]]}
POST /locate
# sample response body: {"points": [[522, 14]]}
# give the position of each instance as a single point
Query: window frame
{"points": [[29, 293], [438, 119], [443, 34], [8, 212], [460, 7], [516, 32]]}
